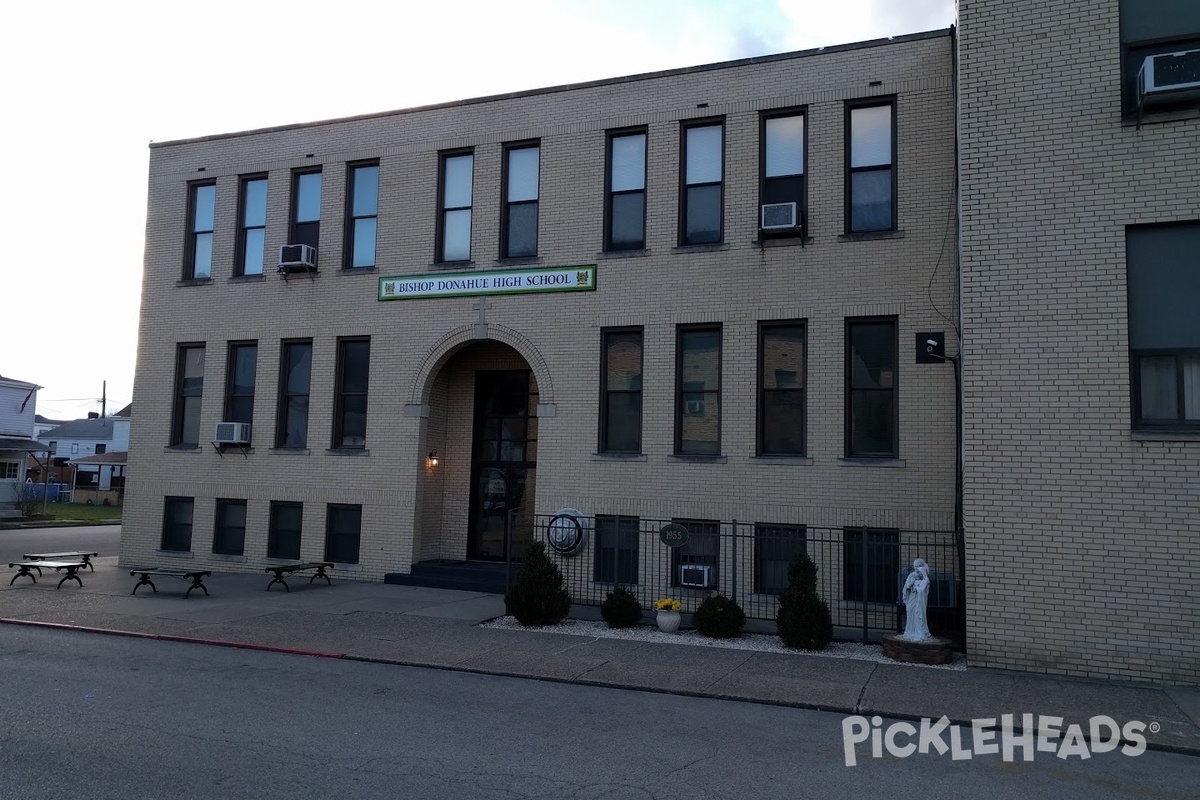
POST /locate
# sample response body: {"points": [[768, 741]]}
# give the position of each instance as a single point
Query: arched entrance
{"points": [[477, 505]]}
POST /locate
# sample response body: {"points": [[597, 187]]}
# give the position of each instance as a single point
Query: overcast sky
{"points": [[88, 85]]}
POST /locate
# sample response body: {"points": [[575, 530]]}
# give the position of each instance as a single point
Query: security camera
{"points": [[931, 342]]}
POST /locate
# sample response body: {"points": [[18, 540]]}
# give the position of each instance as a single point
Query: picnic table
{"points": [[196, 576], [74, 555], [25, 566], [287, 569]]}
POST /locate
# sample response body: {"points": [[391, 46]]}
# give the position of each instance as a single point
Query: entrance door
{"points": [[503, 462]]}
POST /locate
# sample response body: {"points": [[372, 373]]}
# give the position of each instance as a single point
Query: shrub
{"points": [[621, 609], [803, 618], [719, 617], [539, 595]]}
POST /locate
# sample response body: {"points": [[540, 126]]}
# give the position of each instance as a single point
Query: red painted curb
{"points": [[163, 637]]}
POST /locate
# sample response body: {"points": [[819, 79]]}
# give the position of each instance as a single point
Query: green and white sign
{"points": [[509, 281]]}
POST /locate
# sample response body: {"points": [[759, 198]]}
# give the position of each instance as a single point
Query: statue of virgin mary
{"points": [[916, 596]]}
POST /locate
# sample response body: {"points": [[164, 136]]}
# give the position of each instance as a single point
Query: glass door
{"points": [[504, 458]]}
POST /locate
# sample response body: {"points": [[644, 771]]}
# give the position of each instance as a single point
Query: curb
{"points": [[831, 709]]}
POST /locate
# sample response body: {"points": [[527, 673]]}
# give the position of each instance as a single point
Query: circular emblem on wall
{"points": [[673, 535], [567, 532]]}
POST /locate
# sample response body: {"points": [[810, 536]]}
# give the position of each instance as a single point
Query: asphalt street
{"points": [[113, 717]]}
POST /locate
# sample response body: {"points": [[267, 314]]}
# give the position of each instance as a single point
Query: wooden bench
{"points": [[195, 576], [70, 566], [288, 569], [75, 555]]}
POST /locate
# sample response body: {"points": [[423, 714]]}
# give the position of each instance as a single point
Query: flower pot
{"points": [[668, 621]]}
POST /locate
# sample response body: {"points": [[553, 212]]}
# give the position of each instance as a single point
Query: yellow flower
{"points": [[667, 604]]}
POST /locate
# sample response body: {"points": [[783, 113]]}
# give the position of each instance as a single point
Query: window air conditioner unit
{"points": [[1168, 76], [296, 257], [695, 575], [780, 217], [232, 433]]}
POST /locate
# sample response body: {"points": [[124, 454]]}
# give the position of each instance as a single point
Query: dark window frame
{"points": [[229, 540], [240, 249], [881, 565], [609, 194], [180, 397], [507, 205], [231, 393], [849, 389], [764, 182], [1180, 423], [305, 231], [850, 107], [684, 186], [771, 541], [281, 414], [606, 392], [761, 428], [275, 547], [332, 546], [708, 529], [340, 393], [612, 562], [350, 228], [681, 390], [440, 254], [193, 232], [173, 538]]}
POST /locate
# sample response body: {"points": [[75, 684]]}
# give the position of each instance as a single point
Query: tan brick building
{"points": [[700, 368], [1081, 308]]}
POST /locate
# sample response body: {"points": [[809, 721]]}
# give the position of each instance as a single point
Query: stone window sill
{"points": [[799, 461], [624, 253], [618, 456], [175, 553], [348, 451], [517, 262], [870, 236], [228, 557], [892, 463], [246, 279], [1165, 436], [699, 459], [783, 241], [358, 270], [182, 448], [290, 451], [715, 247]]}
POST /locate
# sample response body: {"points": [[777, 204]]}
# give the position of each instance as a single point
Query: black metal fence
{"points": [[859, 570]]}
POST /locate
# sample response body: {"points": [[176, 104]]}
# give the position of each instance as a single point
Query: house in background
{"points": [[42, 424], [72, 444], [18, 399]]}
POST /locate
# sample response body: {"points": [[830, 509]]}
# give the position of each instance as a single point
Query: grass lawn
{"points": [[83, 512]]}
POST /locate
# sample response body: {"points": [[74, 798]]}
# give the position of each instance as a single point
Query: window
{"points": [[1154, 27], [783, 156], [625, 209], [519, 236], [252, 226], [1164, 325], [296, 370], [871, 563], [702, 551], [343, 524], [362, 215], [774, 548], [189, 386], [9, 470], [283, 533], [781, 378], [621, 391], [350, 413], [202, 208], [53, 448], [75, 448], [454, 232], [239, 382], [229, 532], [703, 165], [616, 550], [177, 524], [870, 176], [698, 391], [306, 209], [101, 448], [872, 422]]}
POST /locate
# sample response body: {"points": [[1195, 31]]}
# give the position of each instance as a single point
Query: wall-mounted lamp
{"points": [[433, 459]]}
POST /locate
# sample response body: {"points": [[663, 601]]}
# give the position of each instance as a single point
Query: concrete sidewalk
{"points": [[440, 628]]}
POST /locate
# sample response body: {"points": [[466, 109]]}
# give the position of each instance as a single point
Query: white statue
{"points": [[916, 596]]}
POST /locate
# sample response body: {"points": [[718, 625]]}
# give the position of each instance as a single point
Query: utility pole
{"points": [[103, 398]]}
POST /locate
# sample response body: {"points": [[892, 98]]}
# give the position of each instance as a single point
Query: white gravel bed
{"points": [[758, 642]]}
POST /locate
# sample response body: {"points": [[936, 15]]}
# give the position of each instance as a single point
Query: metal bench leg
{"points": [[197, 583], [23, 571], [145, 581], [87, 562], [321, 574], [70, 576], [278, 579]]}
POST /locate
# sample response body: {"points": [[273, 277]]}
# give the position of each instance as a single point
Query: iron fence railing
{"points": [[859, 570]]}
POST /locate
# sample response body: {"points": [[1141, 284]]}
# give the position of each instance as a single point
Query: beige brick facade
{"points": [[1083, 536], [424, 352]]}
